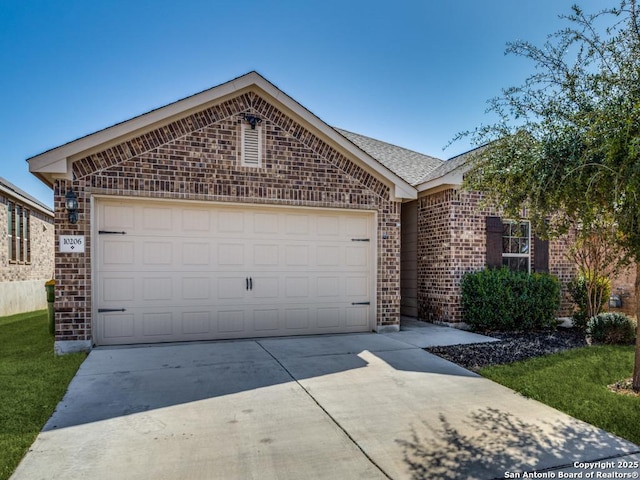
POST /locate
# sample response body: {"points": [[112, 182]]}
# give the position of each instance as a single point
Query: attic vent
{"points": [[251, 148]]}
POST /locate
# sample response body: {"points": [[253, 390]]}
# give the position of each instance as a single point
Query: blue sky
{"points": [[409, 72]]}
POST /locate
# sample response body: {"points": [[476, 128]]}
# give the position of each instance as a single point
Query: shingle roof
{"points": [[19, 193], [409, 165], [450, 165]]}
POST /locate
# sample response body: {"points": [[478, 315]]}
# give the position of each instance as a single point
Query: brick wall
{"points": [[452, 242], [41, 246], [198, 158], [623, 284]]}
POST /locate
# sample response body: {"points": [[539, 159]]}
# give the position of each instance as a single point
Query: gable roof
{"points": [[411, 166], [57, 162], [11, 190]]}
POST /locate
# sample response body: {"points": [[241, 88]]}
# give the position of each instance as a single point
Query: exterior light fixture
{"points": [[71, 203], [253, 120]]}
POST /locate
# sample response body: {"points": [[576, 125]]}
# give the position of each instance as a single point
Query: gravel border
{"points": [[511, 347]]}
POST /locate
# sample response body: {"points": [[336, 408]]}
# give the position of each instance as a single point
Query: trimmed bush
{"points": [[507, 300], [612, 328], [579, 290]]}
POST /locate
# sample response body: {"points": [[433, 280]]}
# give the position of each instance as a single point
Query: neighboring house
{"points": [[237, 213], [26, 250]]}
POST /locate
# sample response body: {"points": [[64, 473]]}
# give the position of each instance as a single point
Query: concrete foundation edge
{"points": [[387, 328], [63, 347]]}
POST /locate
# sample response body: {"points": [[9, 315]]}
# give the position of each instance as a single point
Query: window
{"points": [[19, 234], [11, 230], [516, 245]]}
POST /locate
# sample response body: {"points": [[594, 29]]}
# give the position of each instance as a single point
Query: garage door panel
{"points": [[117, 217], [231, 254], [328, 318], [266, 255], [117, 252], [328, 287], [159, 219], [296, 255], [196, 288], [195, 221], [157, 323], [266, 224], [157, 289], [328, 225], [226, 271], [117, 326], [296, 287], [357, 227], [265, 320], [265, 288], [196, 323], [118, 289], [231, 222], [357, 256], [356, 316], [297, 225], [231, 288], [296, 318], [231, 321], [196, 254]]}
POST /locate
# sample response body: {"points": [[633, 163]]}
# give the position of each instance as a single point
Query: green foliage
{"points": [[566, 144], [33, 381], [612, 328], [506, 300], [575, 382], [579, 290]]}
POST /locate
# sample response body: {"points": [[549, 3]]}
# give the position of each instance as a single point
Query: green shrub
{"points": [[579, 290], [506, 300], [612, 328]]}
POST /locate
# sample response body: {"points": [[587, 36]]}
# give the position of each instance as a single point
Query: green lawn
{"points": [[575, 382], [32, 382]]}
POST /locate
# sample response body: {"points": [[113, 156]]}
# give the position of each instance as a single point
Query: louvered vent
{"points": [[251, 146]]}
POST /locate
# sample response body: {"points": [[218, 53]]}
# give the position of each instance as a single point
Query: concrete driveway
{"points": [[338, 407]]}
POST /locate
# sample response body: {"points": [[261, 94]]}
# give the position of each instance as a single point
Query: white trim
{"points": [[518, 255], [57, 162]]}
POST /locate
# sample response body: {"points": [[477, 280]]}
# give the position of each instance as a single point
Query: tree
{"points": [[566, 143]]}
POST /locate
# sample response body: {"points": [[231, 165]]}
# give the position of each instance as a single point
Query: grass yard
{"points": [[575, 382], [32, 382]]}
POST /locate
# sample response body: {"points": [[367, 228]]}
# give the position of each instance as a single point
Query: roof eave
{"points": [[57, 162]]}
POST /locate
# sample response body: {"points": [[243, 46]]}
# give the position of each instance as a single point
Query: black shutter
{"points": [[494, 242], [540, 255]]}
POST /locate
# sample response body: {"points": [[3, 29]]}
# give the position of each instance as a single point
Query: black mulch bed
{"points": [[511, 347]]}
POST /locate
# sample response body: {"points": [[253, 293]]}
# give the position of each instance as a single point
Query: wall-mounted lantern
{"points": [[71, 203]]}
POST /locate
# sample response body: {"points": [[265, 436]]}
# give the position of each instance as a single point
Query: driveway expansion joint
{"points": [[333, 420]]}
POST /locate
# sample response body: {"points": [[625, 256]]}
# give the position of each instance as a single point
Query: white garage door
{"points": [[188, 271]]}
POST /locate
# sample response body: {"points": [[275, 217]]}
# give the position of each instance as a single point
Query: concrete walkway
{"points": [[358, 406]]}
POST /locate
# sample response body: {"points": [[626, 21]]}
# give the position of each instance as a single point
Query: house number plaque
{"points": [[71, 243]]}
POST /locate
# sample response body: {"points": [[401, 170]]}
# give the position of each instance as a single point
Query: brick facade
{"points": [[452, 242], [198, 158], [21, 280]]}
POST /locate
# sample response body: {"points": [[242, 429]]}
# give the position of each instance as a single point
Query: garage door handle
{"points": [[246, 281], [250, 283], [360, 303], [103, 310]]}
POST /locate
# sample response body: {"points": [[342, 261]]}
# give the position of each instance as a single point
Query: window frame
{"points": [[509, 255], [18, 233]]}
